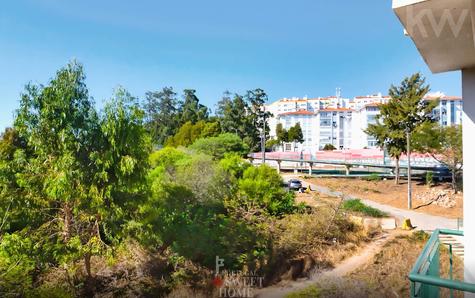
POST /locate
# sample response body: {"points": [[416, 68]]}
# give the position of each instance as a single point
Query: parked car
{"points": [[295, 184]]}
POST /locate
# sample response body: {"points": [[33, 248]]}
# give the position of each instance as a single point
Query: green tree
{"points": [[220, 145], [189, 133], [404, 113], [233, 114], [257, 118], [444, 144], [282, 134], [261, 194], [83, 172], [161, 108], [295, 134], [191, 110], [12, 198], [187, 212]]}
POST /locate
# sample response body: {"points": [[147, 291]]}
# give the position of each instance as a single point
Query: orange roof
{"points": [[373, 104], [302, 112], [443, 98]]}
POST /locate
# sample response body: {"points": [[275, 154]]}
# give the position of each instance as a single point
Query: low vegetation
{"points": [[385, 275], [373, 177], [355, 205]]}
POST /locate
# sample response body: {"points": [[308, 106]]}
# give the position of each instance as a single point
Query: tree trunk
{"points": [[87, 264], [454, 182], [397, 171], [68, 216], [89, 283]]}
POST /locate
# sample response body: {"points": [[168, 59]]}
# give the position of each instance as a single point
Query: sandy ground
{"points": [[340, 270], [388, 193]]}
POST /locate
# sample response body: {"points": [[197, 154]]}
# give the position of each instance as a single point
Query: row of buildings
{"points": [[341, 121]]}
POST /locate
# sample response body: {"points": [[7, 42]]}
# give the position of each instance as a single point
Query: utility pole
{"points": [[263, 138], [409, 186]]}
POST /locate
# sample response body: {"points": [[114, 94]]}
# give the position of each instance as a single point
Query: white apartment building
{"points": [[342, 121]]}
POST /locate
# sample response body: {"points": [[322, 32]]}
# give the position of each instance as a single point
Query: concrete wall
{"points": [[468, 85]]}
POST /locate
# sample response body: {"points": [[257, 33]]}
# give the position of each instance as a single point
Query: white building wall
{"points": [[341, 122], [468, 83]]}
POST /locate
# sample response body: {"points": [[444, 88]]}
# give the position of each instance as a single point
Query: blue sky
{"points": [[288, 48]]}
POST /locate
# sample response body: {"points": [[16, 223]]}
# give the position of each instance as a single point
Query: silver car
{"points": [[295, 184]]}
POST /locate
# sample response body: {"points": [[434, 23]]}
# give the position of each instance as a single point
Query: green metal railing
{"points": [[425, 275]]}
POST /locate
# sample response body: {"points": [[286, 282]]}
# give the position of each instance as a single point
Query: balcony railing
{"points": [[425, 276]]}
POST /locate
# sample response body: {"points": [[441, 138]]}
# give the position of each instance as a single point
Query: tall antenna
{"points": [[338, 92], [338, 96]]}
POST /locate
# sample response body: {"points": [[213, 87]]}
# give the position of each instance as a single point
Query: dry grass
{"points": [[304, 243], [385, 275], [389, 269], [132, 272]]}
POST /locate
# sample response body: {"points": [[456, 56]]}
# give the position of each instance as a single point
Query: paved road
{"points": [[421, 221]]}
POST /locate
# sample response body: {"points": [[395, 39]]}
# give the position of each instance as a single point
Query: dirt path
{"points": [[347, 266], [421, 221]]}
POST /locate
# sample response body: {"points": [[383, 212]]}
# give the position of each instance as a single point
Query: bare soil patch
{"points": [[388, 193]]}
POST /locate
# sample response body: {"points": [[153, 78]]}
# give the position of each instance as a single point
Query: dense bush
{"points": [[356, 205], [200, 208], [220, 145], [329, 147]]}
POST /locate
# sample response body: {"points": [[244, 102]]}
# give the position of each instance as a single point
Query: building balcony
{"points": [[425, 276]]}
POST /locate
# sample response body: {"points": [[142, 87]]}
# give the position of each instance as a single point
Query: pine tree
{"points": [[191, 109], [161, 114], [404, 113]]}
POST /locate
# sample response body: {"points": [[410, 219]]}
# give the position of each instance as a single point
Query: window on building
{"points": [[371, 119], [372, 143], [325, 122]]}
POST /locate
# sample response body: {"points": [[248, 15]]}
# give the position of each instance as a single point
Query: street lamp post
{"points": [[409, 185], [263, 138]]}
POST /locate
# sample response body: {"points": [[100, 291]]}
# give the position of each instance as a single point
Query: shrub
{"points": [[220, 145], [261, 187], [356, 205], [429, 178], [329, 147], [373, 177], [312, 291]]}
